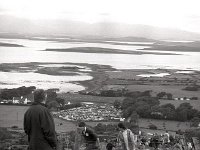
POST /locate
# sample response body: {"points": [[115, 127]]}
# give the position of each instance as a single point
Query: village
{"points": [[90, 112], [26, 100]]}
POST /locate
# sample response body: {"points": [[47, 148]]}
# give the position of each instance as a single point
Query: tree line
{"points": [[146, 106], [8, 94]]}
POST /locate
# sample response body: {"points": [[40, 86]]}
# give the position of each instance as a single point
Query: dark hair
{"points": [[121, 125], [39, 95], [81, 124]]}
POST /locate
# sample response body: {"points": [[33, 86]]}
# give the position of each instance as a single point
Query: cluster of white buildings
{"points": [[181, 99], [90, 112], [19, 100]]}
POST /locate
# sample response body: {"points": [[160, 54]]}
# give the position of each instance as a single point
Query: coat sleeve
{"points": [[27, 125], [48, 128], [133, 137], [125, 137]]}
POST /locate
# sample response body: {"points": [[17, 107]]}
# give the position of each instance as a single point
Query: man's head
{"points": [[109, 141], [121, 126], [81, 126], [39, 96]]}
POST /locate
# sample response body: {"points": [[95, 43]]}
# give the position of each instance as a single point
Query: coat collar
{"points": [[84, 131], [37, 103]]}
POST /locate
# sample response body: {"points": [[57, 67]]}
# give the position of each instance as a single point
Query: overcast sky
{"points": [[181, 14]]}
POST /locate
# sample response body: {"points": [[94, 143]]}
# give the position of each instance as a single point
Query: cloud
{"points": [[179, 14], [2, 10], [193, 17]]}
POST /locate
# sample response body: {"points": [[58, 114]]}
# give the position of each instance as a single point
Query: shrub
{"points": [[14, 127], [152, 126], [4, 134], [194, 98], [191, 88]]}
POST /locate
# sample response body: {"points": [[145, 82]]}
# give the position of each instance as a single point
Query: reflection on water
{"points": [[16, 79], [154, 75], [80, 68], [180, 41], [123, 42], [185, 72], [32, 52]]}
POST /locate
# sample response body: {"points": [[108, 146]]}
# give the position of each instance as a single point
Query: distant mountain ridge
{"points": [[10, 24]]}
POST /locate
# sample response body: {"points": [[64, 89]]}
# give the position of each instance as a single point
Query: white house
{"points": [[15, 101], [26, 101]]}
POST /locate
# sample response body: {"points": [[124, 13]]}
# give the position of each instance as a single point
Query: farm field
{"points": [[162, 80], [164, 125], [194, 103], [176, 91], [13, 116], [88, 98]]}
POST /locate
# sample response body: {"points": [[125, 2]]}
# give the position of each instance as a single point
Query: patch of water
{"points": [[185, 72], [17, 79], [154, 75]]}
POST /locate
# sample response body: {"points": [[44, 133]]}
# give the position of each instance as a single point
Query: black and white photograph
{"points": [[99, 75]]}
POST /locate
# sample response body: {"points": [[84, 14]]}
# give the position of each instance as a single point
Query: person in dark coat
{"points": [[155, 141], [39, 124], [90, 138], [109, 145]]}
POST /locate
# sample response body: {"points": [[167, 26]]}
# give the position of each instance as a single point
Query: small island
{"points": [[105, 51], [10, 45]]}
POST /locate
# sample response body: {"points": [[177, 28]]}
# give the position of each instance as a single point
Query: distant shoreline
{"points": [[97, 71], [106, 51], [105, 76]]}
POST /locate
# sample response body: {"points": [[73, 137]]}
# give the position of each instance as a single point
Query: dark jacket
{"points": [[90, 139], [89, 136], [109, 146], [40, 128]]}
